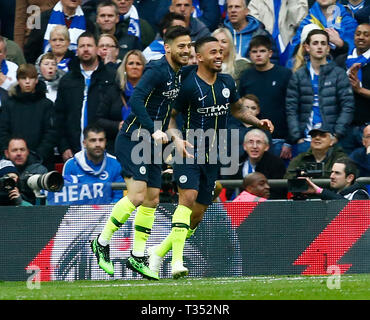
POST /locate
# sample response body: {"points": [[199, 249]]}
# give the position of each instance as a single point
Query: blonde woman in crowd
{"points": [[59, 43], [233, 63]]}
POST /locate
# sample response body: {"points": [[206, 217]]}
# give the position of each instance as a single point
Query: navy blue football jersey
{"points": [[205, 107], [153, 97]]}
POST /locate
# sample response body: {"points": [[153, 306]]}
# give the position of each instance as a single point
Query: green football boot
{"points": [[102, 254], [140, 265]]}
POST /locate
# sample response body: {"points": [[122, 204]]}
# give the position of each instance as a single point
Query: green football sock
{"points": [[120, 213], [166, 245], [143, 223], [180, 226]]}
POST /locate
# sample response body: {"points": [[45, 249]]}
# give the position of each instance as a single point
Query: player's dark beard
{"points": [[176, 59]]}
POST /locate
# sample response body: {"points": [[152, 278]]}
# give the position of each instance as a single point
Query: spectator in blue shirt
{"points": [[93, 164]]}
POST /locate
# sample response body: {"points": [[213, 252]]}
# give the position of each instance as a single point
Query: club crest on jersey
{"points": [[104, 175], [226, 92]]}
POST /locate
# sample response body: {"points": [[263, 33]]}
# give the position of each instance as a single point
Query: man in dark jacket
{"points": [[30, 114], [266, 76], [27, 163], [107, 22], [80, 93], [319, 94], [206, 12], [131, 23], [185, 7], [342, 183], [257, 158]]}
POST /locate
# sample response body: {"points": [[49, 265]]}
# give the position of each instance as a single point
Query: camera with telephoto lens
{"points": [[311, 170], [51, 181], [7, 183]]}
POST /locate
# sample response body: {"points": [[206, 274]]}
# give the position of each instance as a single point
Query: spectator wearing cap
{"points": [[9, 192], [322, 150], [319, 94]]}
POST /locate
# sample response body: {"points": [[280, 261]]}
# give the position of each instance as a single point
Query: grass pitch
{"points": [[346, 287]]}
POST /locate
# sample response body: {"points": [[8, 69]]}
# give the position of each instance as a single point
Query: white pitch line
{"points": [[217, 281]]}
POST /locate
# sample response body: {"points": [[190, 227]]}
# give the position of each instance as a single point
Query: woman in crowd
{"points": [[108, 49], [59, 43], [114, 111], [233, 64]]}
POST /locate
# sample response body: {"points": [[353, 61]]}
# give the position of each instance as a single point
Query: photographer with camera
{"points": [[9, 192], [342, 183], [26, 163], [322, 150]]}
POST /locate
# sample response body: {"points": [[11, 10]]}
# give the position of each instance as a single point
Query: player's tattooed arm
{"points": [[239, 111]]}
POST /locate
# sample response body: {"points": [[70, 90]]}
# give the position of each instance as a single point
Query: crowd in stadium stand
{"points": [[317, 97]]}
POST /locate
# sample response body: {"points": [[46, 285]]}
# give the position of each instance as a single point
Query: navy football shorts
{"points": [[146, 171], [200, 177]]}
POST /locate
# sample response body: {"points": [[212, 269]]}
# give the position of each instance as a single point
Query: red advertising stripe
{"points": [[42, 262], [336, 239], [239, 211]]}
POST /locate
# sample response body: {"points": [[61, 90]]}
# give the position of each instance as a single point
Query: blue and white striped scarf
{"points": [[353, 58], [63, 64], [78, 26], [134, 24]]}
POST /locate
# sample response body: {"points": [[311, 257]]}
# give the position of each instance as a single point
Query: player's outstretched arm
{"points": [[241, 113]]}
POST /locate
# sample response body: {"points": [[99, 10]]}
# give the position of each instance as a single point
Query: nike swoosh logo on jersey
{"points": [[200, 99]]}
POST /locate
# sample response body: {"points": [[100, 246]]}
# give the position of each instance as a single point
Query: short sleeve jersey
{"points": [[205, 107]]}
